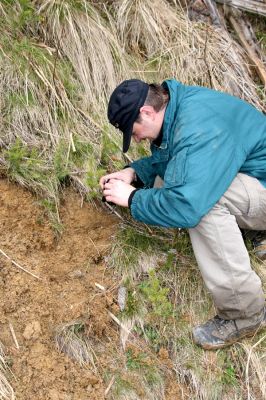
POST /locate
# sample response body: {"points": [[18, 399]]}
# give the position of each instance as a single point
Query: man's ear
{"points": [[148, 111]]}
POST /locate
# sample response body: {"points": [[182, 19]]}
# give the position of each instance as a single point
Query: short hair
{"points": [[157, 97]]}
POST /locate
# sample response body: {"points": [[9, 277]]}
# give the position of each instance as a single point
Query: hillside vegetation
{"points": [[59, 62]]}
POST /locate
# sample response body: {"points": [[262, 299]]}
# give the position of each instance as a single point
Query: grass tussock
{"points": [[45, 137], [141, 377], [71, 340]]}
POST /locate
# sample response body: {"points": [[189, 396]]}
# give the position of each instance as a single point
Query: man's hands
{"points": [[116, 186], [126, 175], [117, 191]]}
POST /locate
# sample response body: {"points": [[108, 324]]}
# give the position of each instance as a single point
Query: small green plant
{"points": [[141, 363], [133, 306], [92, 178], [15, 156], [157, 296], [228, 370], [151, 334], [81, 151], [122, 387], [134, 303], [110, 154], [61, 162], [135, 360], [28, 15], [229, 376]]}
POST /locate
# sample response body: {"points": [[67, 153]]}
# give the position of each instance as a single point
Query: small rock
{"points": [[122, 294], [76, 274], [53, 394], [32, 330], [89, 388]]}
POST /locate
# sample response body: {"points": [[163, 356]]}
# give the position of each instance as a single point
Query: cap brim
{"points": [[127, 139], [127, 133]]}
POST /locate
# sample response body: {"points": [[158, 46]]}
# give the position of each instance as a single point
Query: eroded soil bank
{"points": [[68, 268]]}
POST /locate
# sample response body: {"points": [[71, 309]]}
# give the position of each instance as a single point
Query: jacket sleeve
{"points": [[195, 178]]}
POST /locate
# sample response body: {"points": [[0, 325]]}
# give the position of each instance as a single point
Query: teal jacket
{"points": [[208, 137]]}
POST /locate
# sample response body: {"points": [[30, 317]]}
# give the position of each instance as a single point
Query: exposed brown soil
{"points": [[68, 267]]}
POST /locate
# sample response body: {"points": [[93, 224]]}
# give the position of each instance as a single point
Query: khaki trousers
{"points": [[221, 253]]}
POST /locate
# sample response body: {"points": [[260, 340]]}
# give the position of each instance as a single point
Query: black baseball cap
{"points": [[124, 105]]}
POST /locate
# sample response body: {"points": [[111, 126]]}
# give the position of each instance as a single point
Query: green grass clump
{"points": [[141, 363], [25, 164]]}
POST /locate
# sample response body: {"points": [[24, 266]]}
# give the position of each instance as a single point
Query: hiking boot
{"points": [[259, 243], [258, 240], [217, 332]]}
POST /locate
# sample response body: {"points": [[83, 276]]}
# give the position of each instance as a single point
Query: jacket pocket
{"points": [[175, 174]]}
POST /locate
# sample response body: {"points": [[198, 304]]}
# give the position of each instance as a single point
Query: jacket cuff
{"points": [[131, 197]]}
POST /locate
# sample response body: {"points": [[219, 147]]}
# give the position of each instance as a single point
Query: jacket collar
{"points": [[176, 92]]}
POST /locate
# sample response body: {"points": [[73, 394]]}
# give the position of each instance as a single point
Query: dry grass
{"points": [[81, 34], [193, 53], [70, 339], [61, 59], [255, 368], [45, 135], [6, 391]]}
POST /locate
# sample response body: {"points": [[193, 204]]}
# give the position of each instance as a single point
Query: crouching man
{"points": [[210, 150]]}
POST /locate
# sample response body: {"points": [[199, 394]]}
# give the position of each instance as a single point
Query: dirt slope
{"points": [[68, 268]]}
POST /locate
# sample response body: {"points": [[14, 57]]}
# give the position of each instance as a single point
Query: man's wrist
{"points": [[131, 196], [135, 177]]}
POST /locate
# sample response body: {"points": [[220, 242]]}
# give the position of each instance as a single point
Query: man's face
{"points": [[147, 128]]}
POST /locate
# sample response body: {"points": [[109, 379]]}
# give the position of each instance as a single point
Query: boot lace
{"points": [[223, 325]]}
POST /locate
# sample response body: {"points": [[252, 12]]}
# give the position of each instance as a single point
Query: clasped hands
{"points": [[116, 186]]}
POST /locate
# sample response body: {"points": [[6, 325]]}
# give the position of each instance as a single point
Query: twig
{"points": [[258, 64], [113, 210], [19, 266], [119, 323], [215, 16], [205, 57], [253, 6], [99, 286], [13, 335], [94, 245], [109, 386]]}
